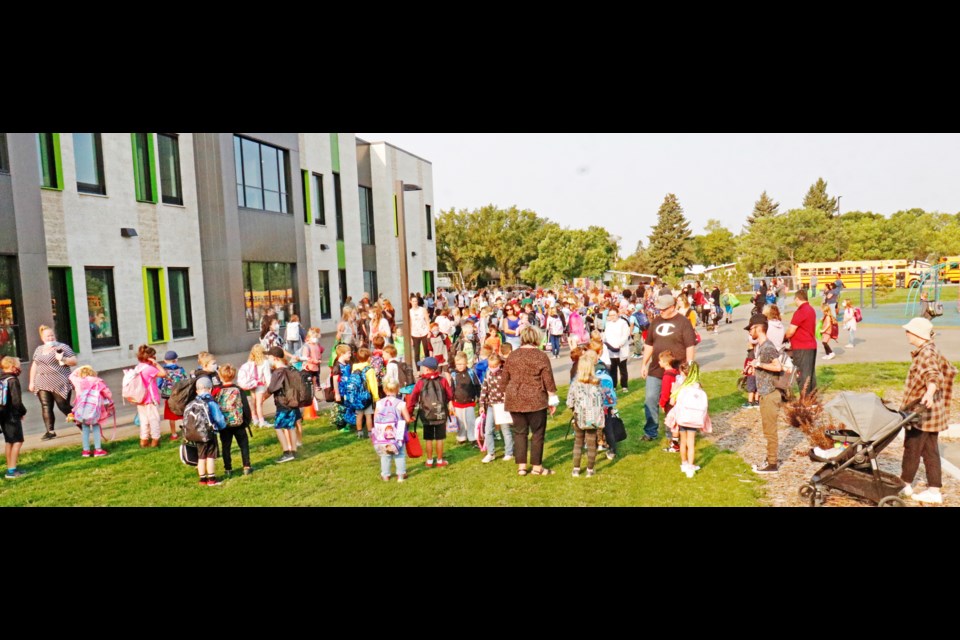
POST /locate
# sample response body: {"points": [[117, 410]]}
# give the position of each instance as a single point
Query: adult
{"points": [[760, 299], [419, 328], [616, 334], [390, 314], [766, 366], [831, 294], [50, 378], [839, 287], [529, 390], [813, 286], [924, 308], [346, 330], [671, 332], [379, 326], [703, 309], [929, 383], [429, 303], [802, 334], [510, 326], [715, 301]]}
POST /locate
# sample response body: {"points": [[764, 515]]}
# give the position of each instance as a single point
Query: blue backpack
{"points": [[641, 319], [4, 392], [353, 390]]}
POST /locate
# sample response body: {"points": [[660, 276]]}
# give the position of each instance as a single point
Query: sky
{"points": [[619, 180]]}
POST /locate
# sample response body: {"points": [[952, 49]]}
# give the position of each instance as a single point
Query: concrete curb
{"points": [[949, 467]]}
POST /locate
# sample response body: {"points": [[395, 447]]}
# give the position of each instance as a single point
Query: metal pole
{"points": [[861, 287], [873, 287], [404, 281]]}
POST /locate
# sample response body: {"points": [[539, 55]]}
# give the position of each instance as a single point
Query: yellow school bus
{"points": [[901, 273], [950, 273]]}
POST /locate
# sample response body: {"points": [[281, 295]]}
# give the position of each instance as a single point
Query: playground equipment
{"points": [[933, 277]]}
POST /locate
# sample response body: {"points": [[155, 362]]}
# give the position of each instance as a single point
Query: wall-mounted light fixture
{"points": [[324, 247], [128, 233], [413, 253]]}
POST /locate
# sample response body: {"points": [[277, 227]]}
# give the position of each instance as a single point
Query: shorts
{"points": [[435, 431], [751, 384], [169, 415], [262, 389], [689, 429], [13, 430], [366, 412], [208, 449], [287, 418]]}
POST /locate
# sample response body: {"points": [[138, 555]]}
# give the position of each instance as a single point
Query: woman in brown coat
{"points": [[530, 389]]}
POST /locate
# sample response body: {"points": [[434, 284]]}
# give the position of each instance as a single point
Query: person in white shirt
{"points": [[444, 323], [616, 334], [775, 328]]}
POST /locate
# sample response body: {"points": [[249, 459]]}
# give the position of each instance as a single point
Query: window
{"points": [[88, 155], [325, 312], [316, 195], [338, 201], [342, 274], [48, 155], [180, 309], [170, 189], [62, 305], [367, 232], [4, 155], [102, 308], [156, 305], [429, 224], [261, 175], [10, 339], [268, 285], [143, 171], [370, 284]]}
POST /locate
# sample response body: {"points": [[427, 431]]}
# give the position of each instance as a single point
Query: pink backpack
{"points": [[133, 389], [248, 377]]}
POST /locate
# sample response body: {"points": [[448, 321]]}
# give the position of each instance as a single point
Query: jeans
{"points": [[851, 336], [243, 441], [652, 406], [805, 360], [399, 458], [85, 431], [47, 401], [782, 304], [490, 431], [621, 364], [293, 346], [555, 343], [467, 421], [536, 423]]}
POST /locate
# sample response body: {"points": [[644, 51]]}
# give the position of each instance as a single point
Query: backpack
{"points": [[183, 393], [293, 332], [376, 361], [89, 407], [641, 319], [771, 298], [433, 402], [405, 374], [294, 393], [167, 384], [4, 392], [858, 315], [133, 389], [692, 406], [189, 454], [201, 420], [248, 377], [354, 390], [834, 330], [588, 409], [473, 382], [231, 405]]}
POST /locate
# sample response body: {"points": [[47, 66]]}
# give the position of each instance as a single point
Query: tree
{"points": [[817, 198], [636, 262], [717, 246], [765, 207], [800, 235], [565, 254], [671, 247]]}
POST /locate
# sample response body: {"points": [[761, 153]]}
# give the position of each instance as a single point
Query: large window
{"points": [[370, 284], [170, 188], [88, 154], [268, 286], [429, 223], [316, 195], [9, 303], [325, 311], [143, 171], [4, 156], [261, 175], [48, 156], [153, 290], [367, 232], [338, 202], [180, 309], [102, 308]]}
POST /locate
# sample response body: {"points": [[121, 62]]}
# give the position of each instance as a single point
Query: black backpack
{"points": [[405, 375], [433, 402], [294, 393], [181, 395]]}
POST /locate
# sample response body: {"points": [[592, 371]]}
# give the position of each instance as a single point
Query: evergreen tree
{"points": [[817, 198], [763, 208], [671, 247]]}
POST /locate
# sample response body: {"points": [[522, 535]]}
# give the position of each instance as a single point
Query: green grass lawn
{"points": [[338, 470]]}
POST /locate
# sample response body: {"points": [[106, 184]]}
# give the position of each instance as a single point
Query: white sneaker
{"points": [[928, 497], [690, 471], [830, 357], [507, 458], [488, 458], [600, 448], [849, 346], [907, 491]]}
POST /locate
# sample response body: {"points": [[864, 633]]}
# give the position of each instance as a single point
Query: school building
{"points": [[184, 240]]}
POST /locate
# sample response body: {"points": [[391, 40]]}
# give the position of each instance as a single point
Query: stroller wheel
{"points": [[891, 501], [806, 490]]}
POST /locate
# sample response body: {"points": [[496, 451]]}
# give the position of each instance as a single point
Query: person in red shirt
{"points": [[803, 342], [670, 365], [434, 427]]}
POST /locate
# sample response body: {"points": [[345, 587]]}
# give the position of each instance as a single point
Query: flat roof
{"points": [[412, 155]]}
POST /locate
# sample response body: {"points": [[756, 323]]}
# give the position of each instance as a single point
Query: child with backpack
{"points": [[175, 373], [202, 419], [434, 397], [148, 404], [397, 370], [466, 390], [483, 363], [312, 356], [669, 364], [253, 377], [11, 413], [468, 343], [438, 346], [288, 418], [236, 416], [828, 331], [359, 391], [378, 362], [492, 398], [92, 404], [294, 334], [389, 429], [585, 399], [343, 418], [689, 415]]}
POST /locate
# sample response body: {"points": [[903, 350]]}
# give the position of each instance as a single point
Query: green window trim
{"points": [[335, 151], [73, 305], [58, 162], [151, 160], [341, 255], [307, 201], [164, 305]]}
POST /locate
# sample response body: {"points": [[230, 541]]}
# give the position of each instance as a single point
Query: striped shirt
{"points": [[51, 375]]}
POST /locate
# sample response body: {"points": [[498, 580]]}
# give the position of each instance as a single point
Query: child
{"points": [[92, 405], [377, 361], [609, 402], [575, 354], [398, 341], [206, 450], [555, 330], [466, 390], [343, 418], [389, 428], [312, 356], [175, 373], [688, 416], [669, 364], [259, 359], [493, 339], [207, 368], [483, 363], [850, 322], [585, 399], [11, 413], [236, 416], [435, 399], [438, 346], [288, 417], [293, 334], [148, 411], [505, 350], [827, 331], [492, 399], [468, 343], [366, 370]]}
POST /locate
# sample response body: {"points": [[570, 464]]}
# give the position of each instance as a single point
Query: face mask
{"points": [[436, 332], [315, 340], [468, 331], [49, 343]]}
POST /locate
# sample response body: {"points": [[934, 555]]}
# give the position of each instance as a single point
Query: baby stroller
{"points": [[869, 427]]}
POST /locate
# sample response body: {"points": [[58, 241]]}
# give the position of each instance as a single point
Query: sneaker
{"points": [[442, 463], [600, 448], [488, 458], [13, 476], [228, 473], [849, 346], [690, 471], [85, 454], [576, 472], [507, 458], [591, 473], [49, 435], [100, 453], [765, 468], [611, 455], [929, 497], [401, 477], [830, 357], [907, 491], [247, 471], [672, 448], [459, 441], [647, 438], [286, 457], [344, 430], [428, 464], [750, 405], [385, 478], [213, 482], [174, 436], [624, 391]]}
